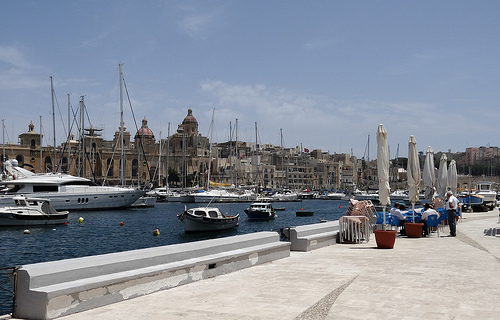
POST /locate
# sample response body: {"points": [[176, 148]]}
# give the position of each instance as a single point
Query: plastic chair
{"points": [[432, 221], [380, 218]]}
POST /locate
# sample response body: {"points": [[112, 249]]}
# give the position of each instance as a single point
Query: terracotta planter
{"points": [[385, 238], [413, 230]]}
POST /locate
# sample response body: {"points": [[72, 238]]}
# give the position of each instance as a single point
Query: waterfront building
{"points": [[189, 155]]}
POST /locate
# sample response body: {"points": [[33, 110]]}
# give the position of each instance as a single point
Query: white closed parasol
{"points": [[413, 173], [442, 178], [429, 174], [384, 190], [452, 176]]}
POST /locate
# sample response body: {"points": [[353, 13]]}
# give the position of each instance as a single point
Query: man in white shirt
{"points": [[428, 212], [396, 212], [452, 207]]}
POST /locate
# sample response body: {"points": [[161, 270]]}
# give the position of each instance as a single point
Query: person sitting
{"points": [[398, 214], [428, 211]]}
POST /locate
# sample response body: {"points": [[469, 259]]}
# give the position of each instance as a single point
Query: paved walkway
{"points": [[424, 278]]}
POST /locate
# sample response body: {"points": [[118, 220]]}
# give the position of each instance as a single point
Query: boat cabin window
{"points": [[213, 214], [199, 213], [45, 188], [20, 202], [32, 202]]}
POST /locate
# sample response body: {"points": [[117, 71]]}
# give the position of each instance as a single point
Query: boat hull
{"points": [[85, 198], [303, 213], [471, 200], [195, 224], [260, 215], [145, 202], [16, 217]]}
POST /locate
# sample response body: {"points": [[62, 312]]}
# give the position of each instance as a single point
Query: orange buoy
{"points": [[340, 207], [121, 223], [156, 232]]}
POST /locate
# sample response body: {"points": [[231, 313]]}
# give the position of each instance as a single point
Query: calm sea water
{"points": [[101, 232]]}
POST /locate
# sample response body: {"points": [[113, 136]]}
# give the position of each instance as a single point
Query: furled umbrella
{"points": [[384, 189], [429, 174], [413, 172], [452, 176], [442, 178]]}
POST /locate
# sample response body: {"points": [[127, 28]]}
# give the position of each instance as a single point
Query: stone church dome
{"points": [[144, 131]]}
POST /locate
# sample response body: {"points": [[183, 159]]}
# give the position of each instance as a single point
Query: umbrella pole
{"points": [[413, 211], [383, 214]]}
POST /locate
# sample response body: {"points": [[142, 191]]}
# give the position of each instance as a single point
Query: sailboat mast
{"points": [[282, 157], [159, 163], [41, 161], [231, 151], [53, 124], [82, 137], [236, 152], [168, 151], [256, 155], [3, 143], [210, 149], [122, 143], [68, 145]]}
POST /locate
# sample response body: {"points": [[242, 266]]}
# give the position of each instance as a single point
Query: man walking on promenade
{"points": [[451, 208]]}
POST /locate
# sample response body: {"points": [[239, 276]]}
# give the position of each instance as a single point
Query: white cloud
{"points": [[13, 57], [197, 22]]}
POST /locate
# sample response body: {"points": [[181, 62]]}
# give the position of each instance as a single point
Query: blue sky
{"points": [[325, 72]]}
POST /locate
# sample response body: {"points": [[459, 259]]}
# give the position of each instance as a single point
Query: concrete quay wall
{"points": [[52, 289]]}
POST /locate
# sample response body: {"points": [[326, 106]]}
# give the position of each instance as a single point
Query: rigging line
{"points": [[60, 114], [110, 164], [137, 130], [59, 164], [10, 144]]}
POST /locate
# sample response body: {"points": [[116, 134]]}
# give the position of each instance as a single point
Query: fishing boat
{"points": [[207, 219], [30, 212], [260, 211], [471, 201], [485, 189]]}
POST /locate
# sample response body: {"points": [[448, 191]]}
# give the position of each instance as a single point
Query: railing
{"points": [[8, 278]]}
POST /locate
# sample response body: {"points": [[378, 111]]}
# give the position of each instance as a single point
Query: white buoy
{"points": [[27, 231]]}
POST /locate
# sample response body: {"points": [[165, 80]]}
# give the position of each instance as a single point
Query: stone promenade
{"points": [[425, 278]]}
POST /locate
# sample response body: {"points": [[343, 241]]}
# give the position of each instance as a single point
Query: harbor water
{"points": [[102, 232]]}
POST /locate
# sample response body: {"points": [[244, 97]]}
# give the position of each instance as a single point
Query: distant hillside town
{"points": [[187, 159]]}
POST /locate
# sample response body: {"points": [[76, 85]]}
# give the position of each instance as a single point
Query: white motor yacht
{"points": [[65, 191]]}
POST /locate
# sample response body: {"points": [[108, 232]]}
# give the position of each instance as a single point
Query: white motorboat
{"points": [[260, 211], [31, 211], [218, 195], [65, 191], [146, 201], [207, 219], [489, 195], [335, 196]]}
